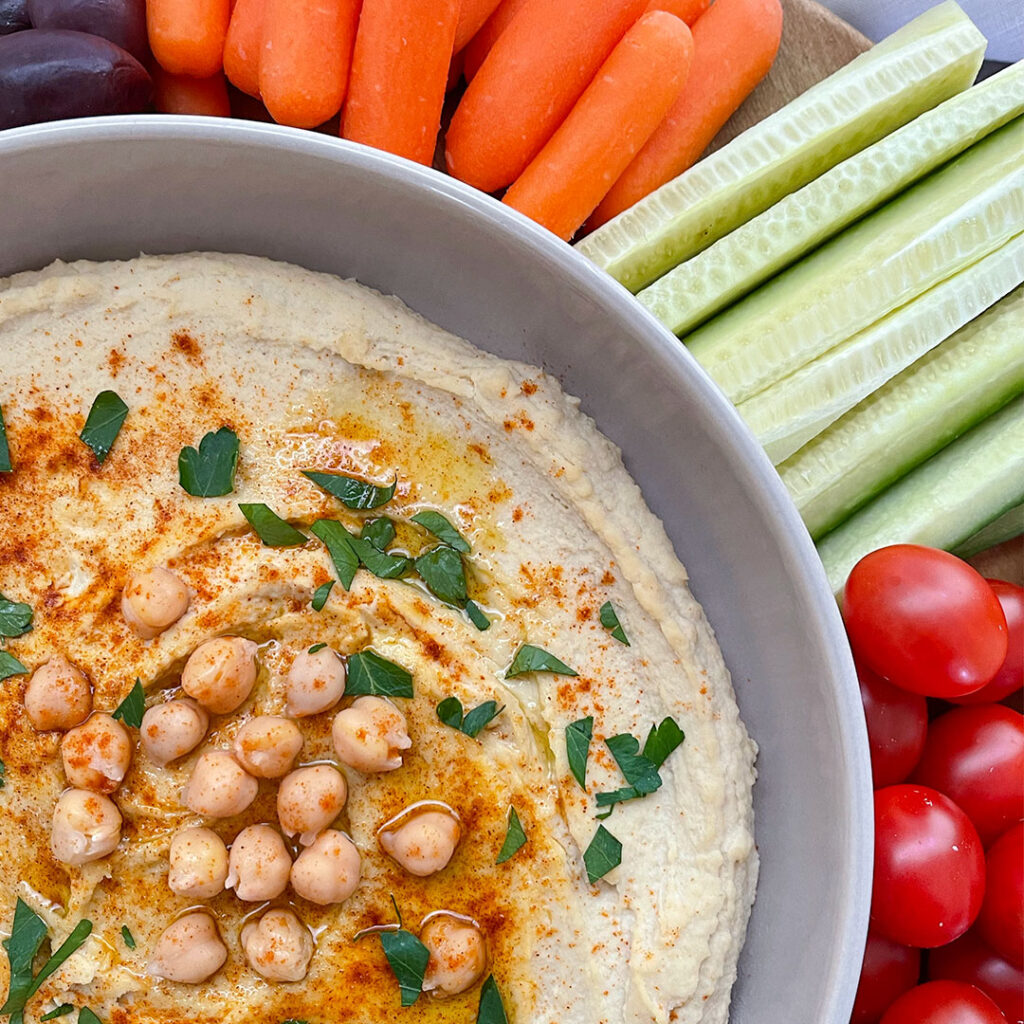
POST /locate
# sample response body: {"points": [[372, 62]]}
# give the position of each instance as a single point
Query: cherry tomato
{"points": [[924, 620], [1001, 923], [970, 959], [1011, 676], [929, 867], [975, 756], [944, 1002], [897, 726], [889, 969]]}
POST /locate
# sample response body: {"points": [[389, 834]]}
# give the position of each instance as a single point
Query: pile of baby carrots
{"points": [[575, 108]]}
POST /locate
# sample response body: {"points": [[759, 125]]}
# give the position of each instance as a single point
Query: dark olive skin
{"points": [[13, 16], [121, 21], [47, 74]]}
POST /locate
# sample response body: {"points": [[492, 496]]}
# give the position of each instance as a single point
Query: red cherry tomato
{"points": [[929, 868], [970, 959], [897, 726], [1001, 923], [944, 1002], [1011, 676], [924, 620], [976, 757], [889, 969]]}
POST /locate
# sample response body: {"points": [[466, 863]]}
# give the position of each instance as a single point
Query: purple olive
{"points": [[121, 21], [13, 16], [47, 74]]}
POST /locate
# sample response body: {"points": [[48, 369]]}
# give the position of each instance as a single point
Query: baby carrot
{"points": [[734, 45], [187, 36], [179, 94], [399, 72], [618, 112], [243, 45], [480, 45], [305, 59], [686, 10], [472, 15], [535, 72]]}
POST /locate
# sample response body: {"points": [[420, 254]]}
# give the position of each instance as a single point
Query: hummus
{"points": [[313, 373]]}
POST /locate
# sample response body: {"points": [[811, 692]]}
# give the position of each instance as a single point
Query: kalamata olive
{"points": [[47, 74], [13, 16], [123, 22]]}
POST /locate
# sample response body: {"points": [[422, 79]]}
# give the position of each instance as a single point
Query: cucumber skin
{"points": [[946, 500], [1006, 527]]}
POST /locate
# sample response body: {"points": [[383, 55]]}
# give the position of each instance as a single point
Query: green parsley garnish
{"points": [[602, 855], [5, 451], [369, 673], [407, 956], [492, 1010], [577, 747], [316, 647], [126, 934], [3, 775], [321, 594], [15, 618], [86, 1016], [274, 531], [350, 491], [477, 616], [379, 532], [535, 659], [10, 666], [337, 541], [450, 712], [133, 707], [103, 423], [210, 471], [515, 838], [58, 1011], [441, 528], [662, 740], [611, 621], [640, 770], [442, 571]]}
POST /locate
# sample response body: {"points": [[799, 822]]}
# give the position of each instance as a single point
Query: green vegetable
{"points": [[15, 617], [746, 257], [441, 569], [577, 747], [126, 934], [942, 502], [86, 1016], [937, 398], [662, 740], [369, 673], [133, 707], [477, 617], [950, 220], [378, 532], [58, 1011], [611, 621], [274, 531], [1003, 528], [337, 540], [515, 838], [602, 855], [5, 450], [316, 647], [210, 471], [535, 659], [104, 423], [351, 492], [321, 594], [442, 529], [10, 666], [472, 724], [3, 775], [408, 958], [492, 1010], [641, 773]]}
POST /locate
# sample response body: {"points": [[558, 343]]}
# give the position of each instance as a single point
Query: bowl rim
{"points": [[673, 359]]}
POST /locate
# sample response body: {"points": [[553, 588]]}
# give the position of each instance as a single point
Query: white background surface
{"points": [[1002, 21]]}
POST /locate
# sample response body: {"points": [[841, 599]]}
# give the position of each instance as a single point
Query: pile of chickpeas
{"points": [[370, 735]]}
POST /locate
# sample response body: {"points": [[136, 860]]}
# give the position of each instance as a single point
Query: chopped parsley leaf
{"points": [[611, 621], [103, 423], [209, 472]]}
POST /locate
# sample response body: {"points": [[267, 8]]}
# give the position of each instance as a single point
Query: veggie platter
{"points": [[849, 270]]}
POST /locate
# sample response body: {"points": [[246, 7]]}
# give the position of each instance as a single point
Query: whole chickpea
{"points": [[97, 754], [422, 839], [198, 864], [58, 695], [153, 600], [219, 787], [328, 871], [315, 682], [172, 730], [309, 799], [258, 864], [458, 954], [86, 827], [267, 746], [221, 673], [370, 735], [278, 946], [189, 951]]}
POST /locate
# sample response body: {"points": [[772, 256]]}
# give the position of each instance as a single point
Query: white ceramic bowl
{"points": [[110, 188]]}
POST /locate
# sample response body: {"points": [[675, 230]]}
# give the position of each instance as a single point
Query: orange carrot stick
{"points": [[734, 45], [179, 94], [535, 72], [399, 72], [472, 15], [305, 59], [619, 111], [243, 45], [480, 45], [686, 10], [187, 36]]}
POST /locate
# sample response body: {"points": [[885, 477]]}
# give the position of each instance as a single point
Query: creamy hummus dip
{"points": [[556, 548]]}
